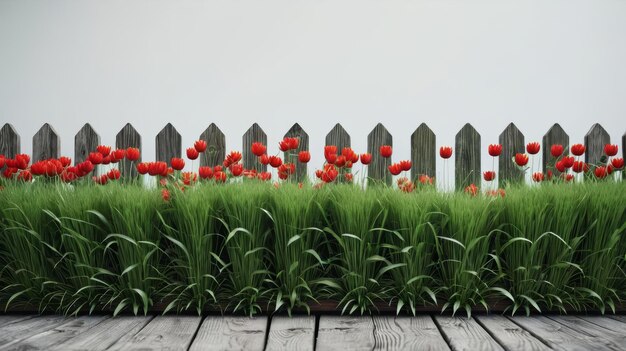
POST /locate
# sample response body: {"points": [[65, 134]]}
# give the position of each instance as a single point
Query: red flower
{"points": [[114, 174], [395, 169], [330, 174], [2, 161], [340, 161], [405, 165], [258, 149], [366, 158], [568, 177], [119, 154], [556, 150], [424, 179], [560, 166], [22, 161], [318, 173], [495, 150], [265, 176], [350, 155], [104, 150], [9, 171], [489, 175], [217, 168], [189, 178], [472, 189], [496, 193], [106, 160], [264, 159], [600, 172], [68, 177], [165, 194], [177, 163], [610, 150], [288, 144], [142, 168], [132, 154], [533, 148], [580, 166], [521, 159], [568, 161], [330, 153], [157, 168], [220, 176], [85, 167], [538, 177], [205, 172], [283, 175], [618, 163], [275, 161], [445, 152], [233, 157], [200, 145], [192, 153], [348, 177], [25, 176], [385, 151], [304, 156], [65, 161], [578, 149], [236, 169], [95, 158]]}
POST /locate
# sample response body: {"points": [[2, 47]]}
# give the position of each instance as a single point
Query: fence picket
{"points": [[377, 170], [9, 141], [129, 137], [512, 141], [46, 144], [296, 131], [216, 146], [168, 144], [423, 152], [595, 139], [556, 135], [250, 161], [85, 141], [467, 160]]}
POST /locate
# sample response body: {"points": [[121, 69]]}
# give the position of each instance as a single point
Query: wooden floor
{"points": [[482, 332]]}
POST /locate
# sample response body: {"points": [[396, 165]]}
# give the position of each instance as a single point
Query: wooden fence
{"points": [[424, 150]]}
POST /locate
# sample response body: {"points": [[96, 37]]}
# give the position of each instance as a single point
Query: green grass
{"points": [[247, 247]]}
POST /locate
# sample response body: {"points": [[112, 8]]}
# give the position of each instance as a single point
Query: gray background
{"points": [[443, 62]]}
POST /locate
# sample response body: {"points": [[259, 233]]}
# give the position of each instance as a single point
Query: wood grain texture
{"points": [[9, 141], [231, 333], [163, 333], [292, 156], [467, 160], [512, 141], [128, 137], [607, 323], [59, 334], [509, 334], [85, 141], [466, 334], [345, 333], [338, 137], [295, 333], [168, 144], [8, 319], [407, 333], [216, 146], [377, 171], [252, 135], [595, 139], [624, 153], [46, 144], [11, 334], [555, 135], [423, 152], [596, 334], [118, 329]]}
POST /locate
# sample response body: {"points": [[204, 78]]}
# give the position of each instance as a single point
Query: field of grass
{"points": [[241, 247]]}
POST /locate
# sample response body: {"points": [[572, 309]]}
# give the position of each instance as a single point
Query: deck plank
{"points": [[466, 334], [295, 333], [509, 334], [345, 333], [106, 333], [608, 323], [166, 333], [597, 334], [619, 317], [13, 333], [13, 318], [407, 333], [231, 333]]}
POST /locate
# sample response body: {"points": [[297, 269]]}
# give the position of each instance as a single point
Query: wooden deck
{"points": [[425, 332]]}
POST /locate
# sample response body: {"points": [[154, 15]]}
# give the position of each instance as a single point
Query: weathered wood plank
{"points": [[556, 335], [607, 323], [253, 135], [291, 333], [11, 334], [621, 318], [168, 144], [163, 333], [231, 333], [509, 334], [59, 334], [129, 137], [377, 171], [119, 329], [596, 334], [423, 152], [407, 333], [85, 141], [466, 334], [556, 135], [9, 141], [292, 156], [46, 144], [595, 139], [512, 141], [345, 333], [338, 137], [216, 146], [8, 319], [467, 160]]}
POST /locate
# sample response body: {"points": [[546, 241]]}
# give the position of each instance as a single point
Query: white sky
{"points": [[443, 62]]}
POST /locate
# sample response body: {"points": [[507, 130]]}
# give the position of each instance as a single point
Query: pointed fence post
{"points": [[292, 157], [85, 141], [423, 152], [556, 135], [338, 137], [9, 141], [512, 141], [216, 146], [467, 159], [595, 139], [378, 170], [129, 137], [250, 161], [46, 144], [168, 144]]}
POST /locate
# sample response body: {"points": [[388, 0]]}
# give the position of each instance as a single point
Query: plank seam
{"points": [[195, 334], [530, 332], [443, 334], [493, 335], [138, 331], [316, 331], [373, 332], [267, 332]]}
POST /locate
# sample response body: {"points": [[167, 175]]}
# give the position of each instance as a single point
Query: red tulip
{"points": [[25, 176], [165, 194], [610, 150], [283, 175], [568, 177], [104, 150], [106, 160], [538, 177], [288, 144], [236, 169], [340, 161], [366, 158], [205, 172], [119, 154], [95, 158], [618, 163], [86, 167], [275, 161], [331, 158], [189, 178], [114, 174], [578, 149], [192, 153], [471, 189], [560, 166], [568, 161], [258, 149], [220, 176], [395, 169], [9, 172], [424, 179], [489, 175], [385, 151], [142, 168], [217, 168], [495, 150], [233, 157], [556, 150], [521, 159], [330, 153], [350, 155], [329, 174], [65, 161], [600, 172], [200, 145], [22, 161], [265, 176], [157, 168], [580, 166], [132, 154], [177, 163], [348, 177], [304, 156], [533, 148], [102, 180], [405, 165], [445, 152], [609, 168], [264, 159], [2, 161], [68, 177]]}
